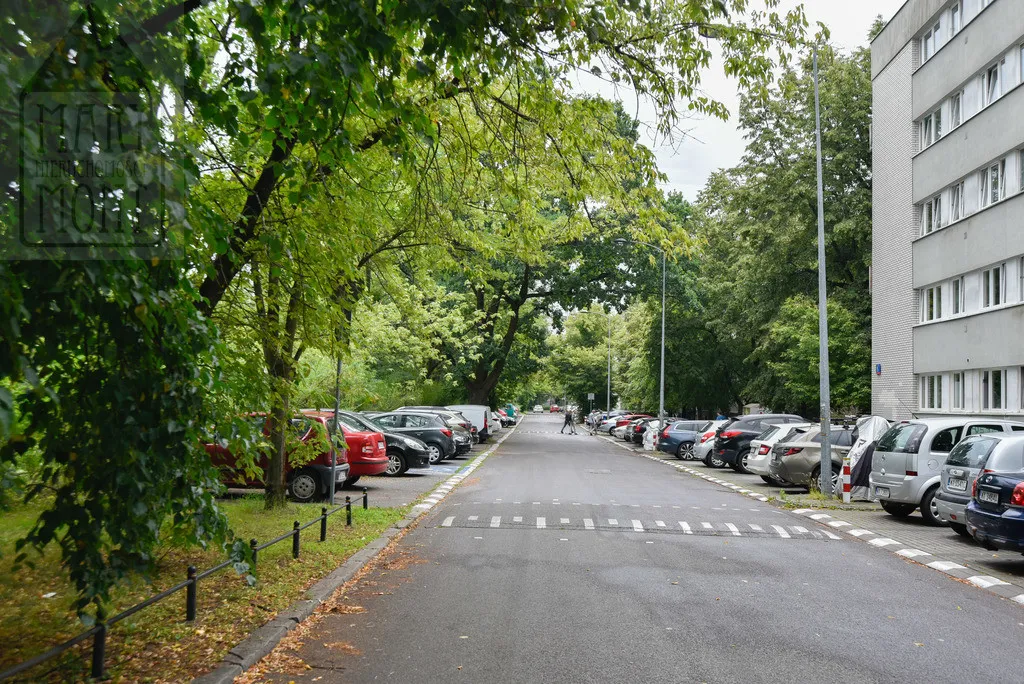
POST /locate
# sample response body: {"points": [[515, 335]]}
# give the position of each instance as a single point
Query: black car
{"points": [[429, 428], [404, 451], [732, 440]]}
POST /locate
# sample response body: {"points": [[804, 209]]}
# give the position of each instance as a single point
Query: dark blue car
{"points": [[679, 436], [995, 514]]}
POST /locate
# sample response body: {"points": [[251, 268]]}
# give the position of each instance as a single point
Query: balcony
{"points": [[985, 340]]}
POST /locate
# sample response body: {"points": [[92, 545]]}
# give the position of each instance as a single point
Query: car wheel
{"points": [[930, 508], [742, 462], [715, 462], [396, 464], [774, 481], [304, 486], [960, 529], [898, 510], [351, 481], [434, 453], [685, 451], [814, 484]]}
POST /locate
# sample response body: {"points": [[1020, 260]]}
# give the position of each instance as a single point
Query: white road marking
{"points": [[588, 524], [474, 517], [517, 502], [517, 519], [637, 527], [541, 524], [536, 503], [613, 521], [1019, 598], [448, 521], [799, 530], [563, 521], [830, 535], [686, 527], [708, 526], [732, 528], [801, 511], [882, 541], [945, 566], [756, 528], [675, 507], [986, 581], [839, 523], [659, 523], [782, 531], [912, 553], [495, 521], [820, 516], [858, 533]]}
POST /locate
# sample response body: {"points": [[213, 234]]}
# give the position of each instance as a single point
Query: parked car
{"points": [[798, 460], [679, 437], [996, 452], [404, 451], [995, 513], [704, 450], [479, 416], [732, 440], [463, 432], [429, 428], [555, 408], [497, 423], [309, 482], [907, 462], [537, 408], [367, 450], [760, 458]]}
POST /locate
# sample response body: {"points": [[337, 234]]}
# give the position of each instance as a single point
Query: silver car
{"points": [[995, 453], [704, 449], [760, 458], [799, 460], [908, 459]]}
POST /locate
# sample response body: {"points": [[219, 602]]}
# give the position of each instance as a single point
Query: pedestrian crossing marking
{"points": [[659, 523], [686, 527], [474, 517], [708, 526], [732, 528], [495, 521], [613, 521], [448, 521], [541, 523], [517, 519], [637, 527], [756, 528], [564, 521], [782, 531], [588, 524]]}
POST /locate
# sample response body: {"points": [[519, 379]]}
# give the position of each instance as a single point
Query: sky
{"points": [[713, 144]]}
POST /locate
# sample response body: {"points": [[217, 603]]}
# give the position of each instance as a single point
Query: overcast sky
{"points": [[713, 144]]}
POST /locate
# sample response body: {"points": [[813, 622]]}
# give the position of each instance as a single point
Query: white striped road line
{"points": [[756, 528], [474, 517], [655, 506], [613, 521], [945, 566], [799, 530], [986, 581], [708, 526], [686, 527], [1019, 598], [541, 524], [830, 535], [882, 541], [858, 532], [912, 553], [563, 521], [782, 531], [732, 528], [801, 511], [588, 524], [495, 520], [839, 523], [448, 521], [819, 516], [517, 502], [536, 503], [637, 527], [517, 519], [659, 523]]}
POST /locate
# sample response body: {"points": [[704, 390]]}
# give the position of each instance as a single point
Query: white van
{"points": [[478, 415]]}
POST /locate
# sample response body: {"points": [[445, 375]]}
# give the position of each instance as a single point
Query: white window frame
{"points": [[931, 303], [957, 387], [931, 128], [989, 398], [931, 392], [996, 172], [956, 202], [993, 82], [958, 294], [956, 110], [931, 215], [956, 18], [993, 286], [930, 42]]}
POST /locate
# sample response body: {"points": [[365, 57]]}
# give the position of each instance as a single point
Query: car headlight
{"points": [[412, 444]]}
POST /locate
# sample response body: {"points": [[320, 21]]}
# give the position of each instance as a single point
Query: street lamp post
{"points": [[661, 389], [825, 390]]}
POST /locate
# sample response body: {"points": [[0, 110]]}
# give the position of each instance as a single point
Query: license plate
{"points": [[882, 492], [988, 497], [956, 485]]}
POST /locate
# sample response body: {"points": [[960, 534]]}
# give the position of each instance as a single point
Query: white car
{"points": [[538, 409], [702, 450], [479, 416], [619, 431], [760, 455]]}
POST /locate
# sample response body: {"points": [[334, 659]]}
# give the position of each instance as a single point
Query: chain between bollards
{"points": [[348, 511], [365, 500], [323, 524], [190, 595]]}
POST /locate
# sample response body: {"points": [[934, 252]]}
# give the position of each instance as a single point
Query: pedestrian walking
{"points": [[569, 423]]}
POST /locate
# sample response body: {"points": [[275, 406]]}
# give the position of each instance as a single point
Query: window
{"points": [[956, 202], [994, 82], [414, 421], [931, 304], [931, 391], [958, 390], [993, 390], [956, 110], [993, 286], [391, 421], [956, 19], [944, 440], [931, 128], [983, 429], [931, 215], [929, 43], [958, 294], [993, 183]]}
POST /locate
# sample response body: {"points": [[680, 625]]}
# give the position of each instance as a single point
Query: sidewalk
{"points": [[943, 549]]}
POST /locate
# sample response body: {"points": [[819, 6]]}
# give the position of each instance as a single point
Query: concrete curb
{"points": [[264, 639], [994, 585]]}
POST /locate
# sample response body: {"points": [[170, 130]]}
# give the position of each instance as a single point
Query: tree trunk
{"points": [[275, 490]]}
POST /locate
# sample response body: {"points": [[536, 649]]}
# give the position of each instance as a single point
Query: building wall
{"points": [[893, 299]]}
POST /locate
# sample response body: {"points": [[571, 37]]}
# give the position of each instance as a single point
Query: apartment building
{"points": [[947, 282]]}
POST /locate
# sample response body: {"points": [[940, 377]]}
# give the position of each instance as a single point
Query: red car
{"points": [[367, 451], [309, 482], [629, 418]]}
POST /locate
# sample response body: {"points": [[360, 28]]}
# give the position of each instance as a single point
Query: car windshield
{"points": [[904, 438], [768, 433], [837, 436], [971, 453], [361, 423], [1009, 459]]}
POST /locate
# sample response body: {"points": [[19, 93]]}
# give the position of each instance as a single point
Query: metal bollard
{"points": [[99, 650], [365, 499], [295, 540], [348, 511], [323, 524], [190, 595], [253, 545]]}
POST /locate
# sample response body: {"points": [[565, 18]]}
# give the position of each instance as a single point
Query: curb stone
{"points": [[957, 571], [266, 637]]}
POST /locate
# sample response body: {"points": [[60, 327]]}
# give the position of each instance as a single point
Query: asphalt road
{"points": [[568, 559]]}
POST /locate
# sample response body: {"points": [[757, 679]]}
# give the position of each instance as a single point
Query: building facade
{"points": [[947, 277]]}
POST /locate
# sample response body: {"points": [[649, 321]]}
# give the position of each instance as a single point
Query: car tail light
{"points": [[1017, 498], [729, 434], [912, 473], [367, 449], [664, 433], [974, 489], [446, 432], [763, 450], [793, 450], [707, 436]]}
